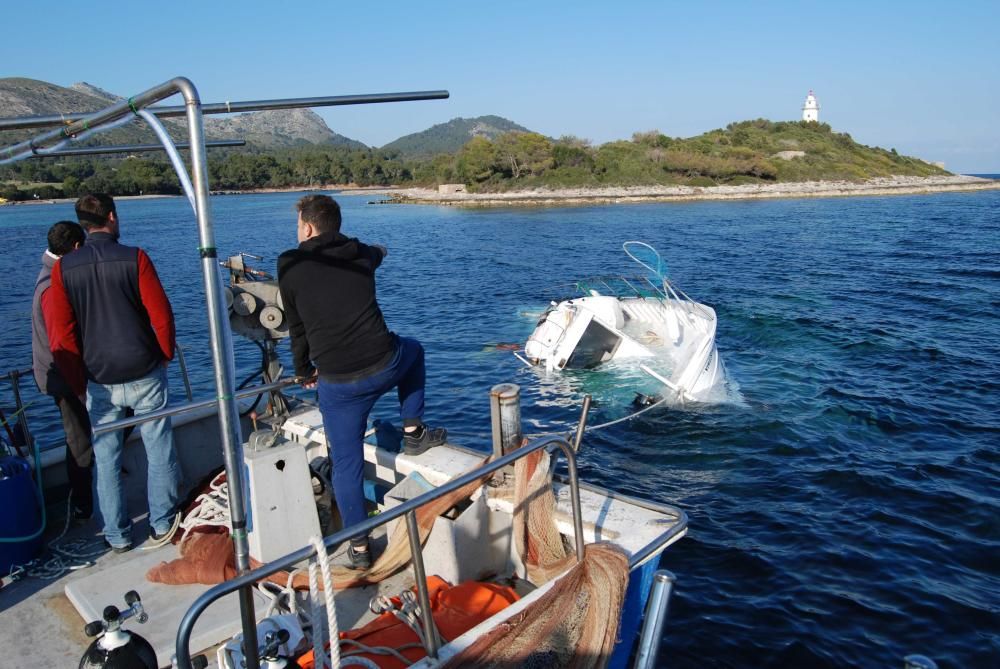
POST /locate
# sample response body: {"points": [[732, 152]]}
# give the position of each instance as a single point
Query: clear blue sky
{"points": [[922, 77]]}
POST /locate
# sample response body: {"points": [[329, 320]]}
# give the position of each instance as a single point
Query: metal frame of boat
{"points": [[79, 126]]}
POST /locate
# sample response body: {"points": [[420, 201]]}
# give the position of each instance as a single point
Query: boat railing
{"points": [[20, 407], [188, 407], [621, 286], [14, 376], [408, 509]]}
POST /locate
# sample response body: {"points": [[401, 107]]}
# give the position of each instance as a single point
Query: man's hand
{"points": [[308, 382]]}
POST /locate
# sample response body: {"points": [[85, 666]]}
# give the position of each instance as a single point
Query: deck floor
{"points": [[41, 622]]}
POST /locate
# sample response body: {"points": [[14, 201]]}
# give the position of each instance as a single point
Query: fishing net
{"points": [[573, 625], [536, 537]]}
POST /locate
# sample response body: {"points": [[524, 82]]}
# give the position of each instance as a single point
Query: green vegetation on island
{"points": [[748, 152]]}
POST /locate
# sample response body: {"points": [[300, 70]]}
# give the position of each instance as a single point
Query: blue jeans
{"points": [[345, 408], [107, 403]]}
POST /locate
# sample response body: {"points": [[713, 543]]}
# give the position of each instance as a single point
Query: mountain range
{"points": [[262, 130]]}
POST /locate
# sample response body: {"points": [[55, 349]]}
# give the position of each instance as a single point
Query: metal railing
{"points": [[188, 407], [656, 615], [408, 509], [14, 376]]}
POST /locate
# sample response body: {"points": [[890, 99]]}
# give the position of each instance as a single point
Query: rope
{"points": [[570, 431], [211, 509], [378, 650], [323, 559], [71, 556], [6, 421]]}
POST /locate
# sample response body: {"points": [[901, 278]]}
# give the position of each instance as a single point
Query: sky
{"points": [[920, 77]]}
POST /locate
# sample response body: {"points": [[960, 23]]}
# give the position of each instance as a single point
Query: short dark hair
{"points": [[322, 211], [64, 236], [93, 210]]}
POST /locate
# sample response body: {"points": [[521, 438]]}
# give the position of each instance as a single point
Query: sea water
{"points": [[844, 513]]}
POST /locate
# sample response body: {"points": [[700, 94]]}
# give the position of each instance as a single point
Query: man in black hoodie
{"points": [[341, 344]]}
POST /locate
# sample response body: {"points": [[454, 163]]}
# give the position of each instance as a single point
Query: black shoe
{"points": [[118, 550], [418, 441], [360, 560]]}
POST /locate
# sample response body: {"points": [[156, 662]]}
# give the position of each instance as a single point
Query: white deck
{"points": [[605, 518]]}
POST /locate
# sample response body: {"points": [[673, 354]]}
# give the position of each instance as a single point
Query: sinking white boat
{"points": [[645, 319]]}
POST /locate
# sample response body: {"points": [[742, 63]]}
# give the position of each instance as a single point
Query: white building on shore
{"points": [[810, 110]]}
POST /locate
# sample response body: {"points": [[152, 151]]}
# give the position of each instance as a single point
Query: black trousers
{"points": [[80, 452]]}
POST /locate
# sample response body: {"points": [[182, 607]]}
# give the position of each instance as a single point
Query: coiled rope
{"points": [[65, 557]]}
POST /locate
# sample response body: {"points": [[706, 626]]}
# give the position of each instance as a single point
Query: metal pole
{"points": [[505, 412], [87, 122], [222, 359], [229, 107], [574, 494], [184, 373], [430, 629], [137, 148], [16, 372], [15, 384], [582, 425], [656, 615]]}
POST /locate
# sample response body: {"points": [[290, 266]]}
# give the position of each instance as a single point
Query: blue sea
{"points": [[844, 513]]}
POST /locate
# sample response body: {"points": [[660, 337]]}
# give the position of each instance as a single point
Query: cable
{"points": [[260, 372]]}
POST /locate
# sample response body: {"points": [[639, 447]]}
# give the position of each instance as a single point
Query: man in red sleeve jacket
{"points": [[111, 331]]}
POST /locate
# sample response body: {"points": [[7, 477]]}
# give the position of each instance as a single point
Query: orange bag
{"points": [[456, 610]]}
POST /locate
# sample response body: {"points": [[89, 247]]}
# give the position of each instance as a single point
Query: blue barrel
{"points": [[19, 513]]}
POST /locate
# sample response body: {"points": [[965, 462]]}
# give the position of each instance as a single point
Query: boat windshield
{"points": [[598, 344]]}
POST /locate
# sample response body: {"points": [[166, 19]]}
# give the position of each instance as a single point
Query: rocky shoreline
{"points": [[897, 185]]}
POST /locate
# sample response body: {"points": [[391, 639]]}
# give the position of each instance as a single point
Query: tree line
{"points": [[746, 152]]}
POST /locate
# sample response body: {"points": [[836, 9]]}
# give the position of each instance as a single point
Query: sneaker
{"points": [[118, 550], [418, 441], [157, 540], [360, 560]]}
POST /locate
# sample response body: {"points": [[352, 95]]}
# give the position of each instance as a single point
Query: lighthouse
{"points": [[810, 110]]}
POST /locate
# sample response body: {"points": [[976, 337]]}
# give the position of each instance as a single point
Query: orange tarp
{"points": [[456, 610]]}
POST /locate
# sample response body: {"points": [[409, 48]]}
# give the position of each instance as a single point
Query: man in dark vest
{"points": [[64, 236], [337, 332], [112, 326]]}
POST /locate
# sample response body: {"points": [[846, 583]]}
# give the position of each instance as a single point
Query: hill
{"points": [[264, 130], [747, 152], [451, 136]]}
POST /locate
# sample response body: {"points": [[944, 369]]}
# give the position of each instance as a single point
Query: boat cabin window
{"points": [[597, 345]]}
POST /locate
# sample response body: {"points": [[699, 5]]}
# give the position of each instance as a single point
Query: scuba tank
{"points": [[269, 653], [116, 648]]}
